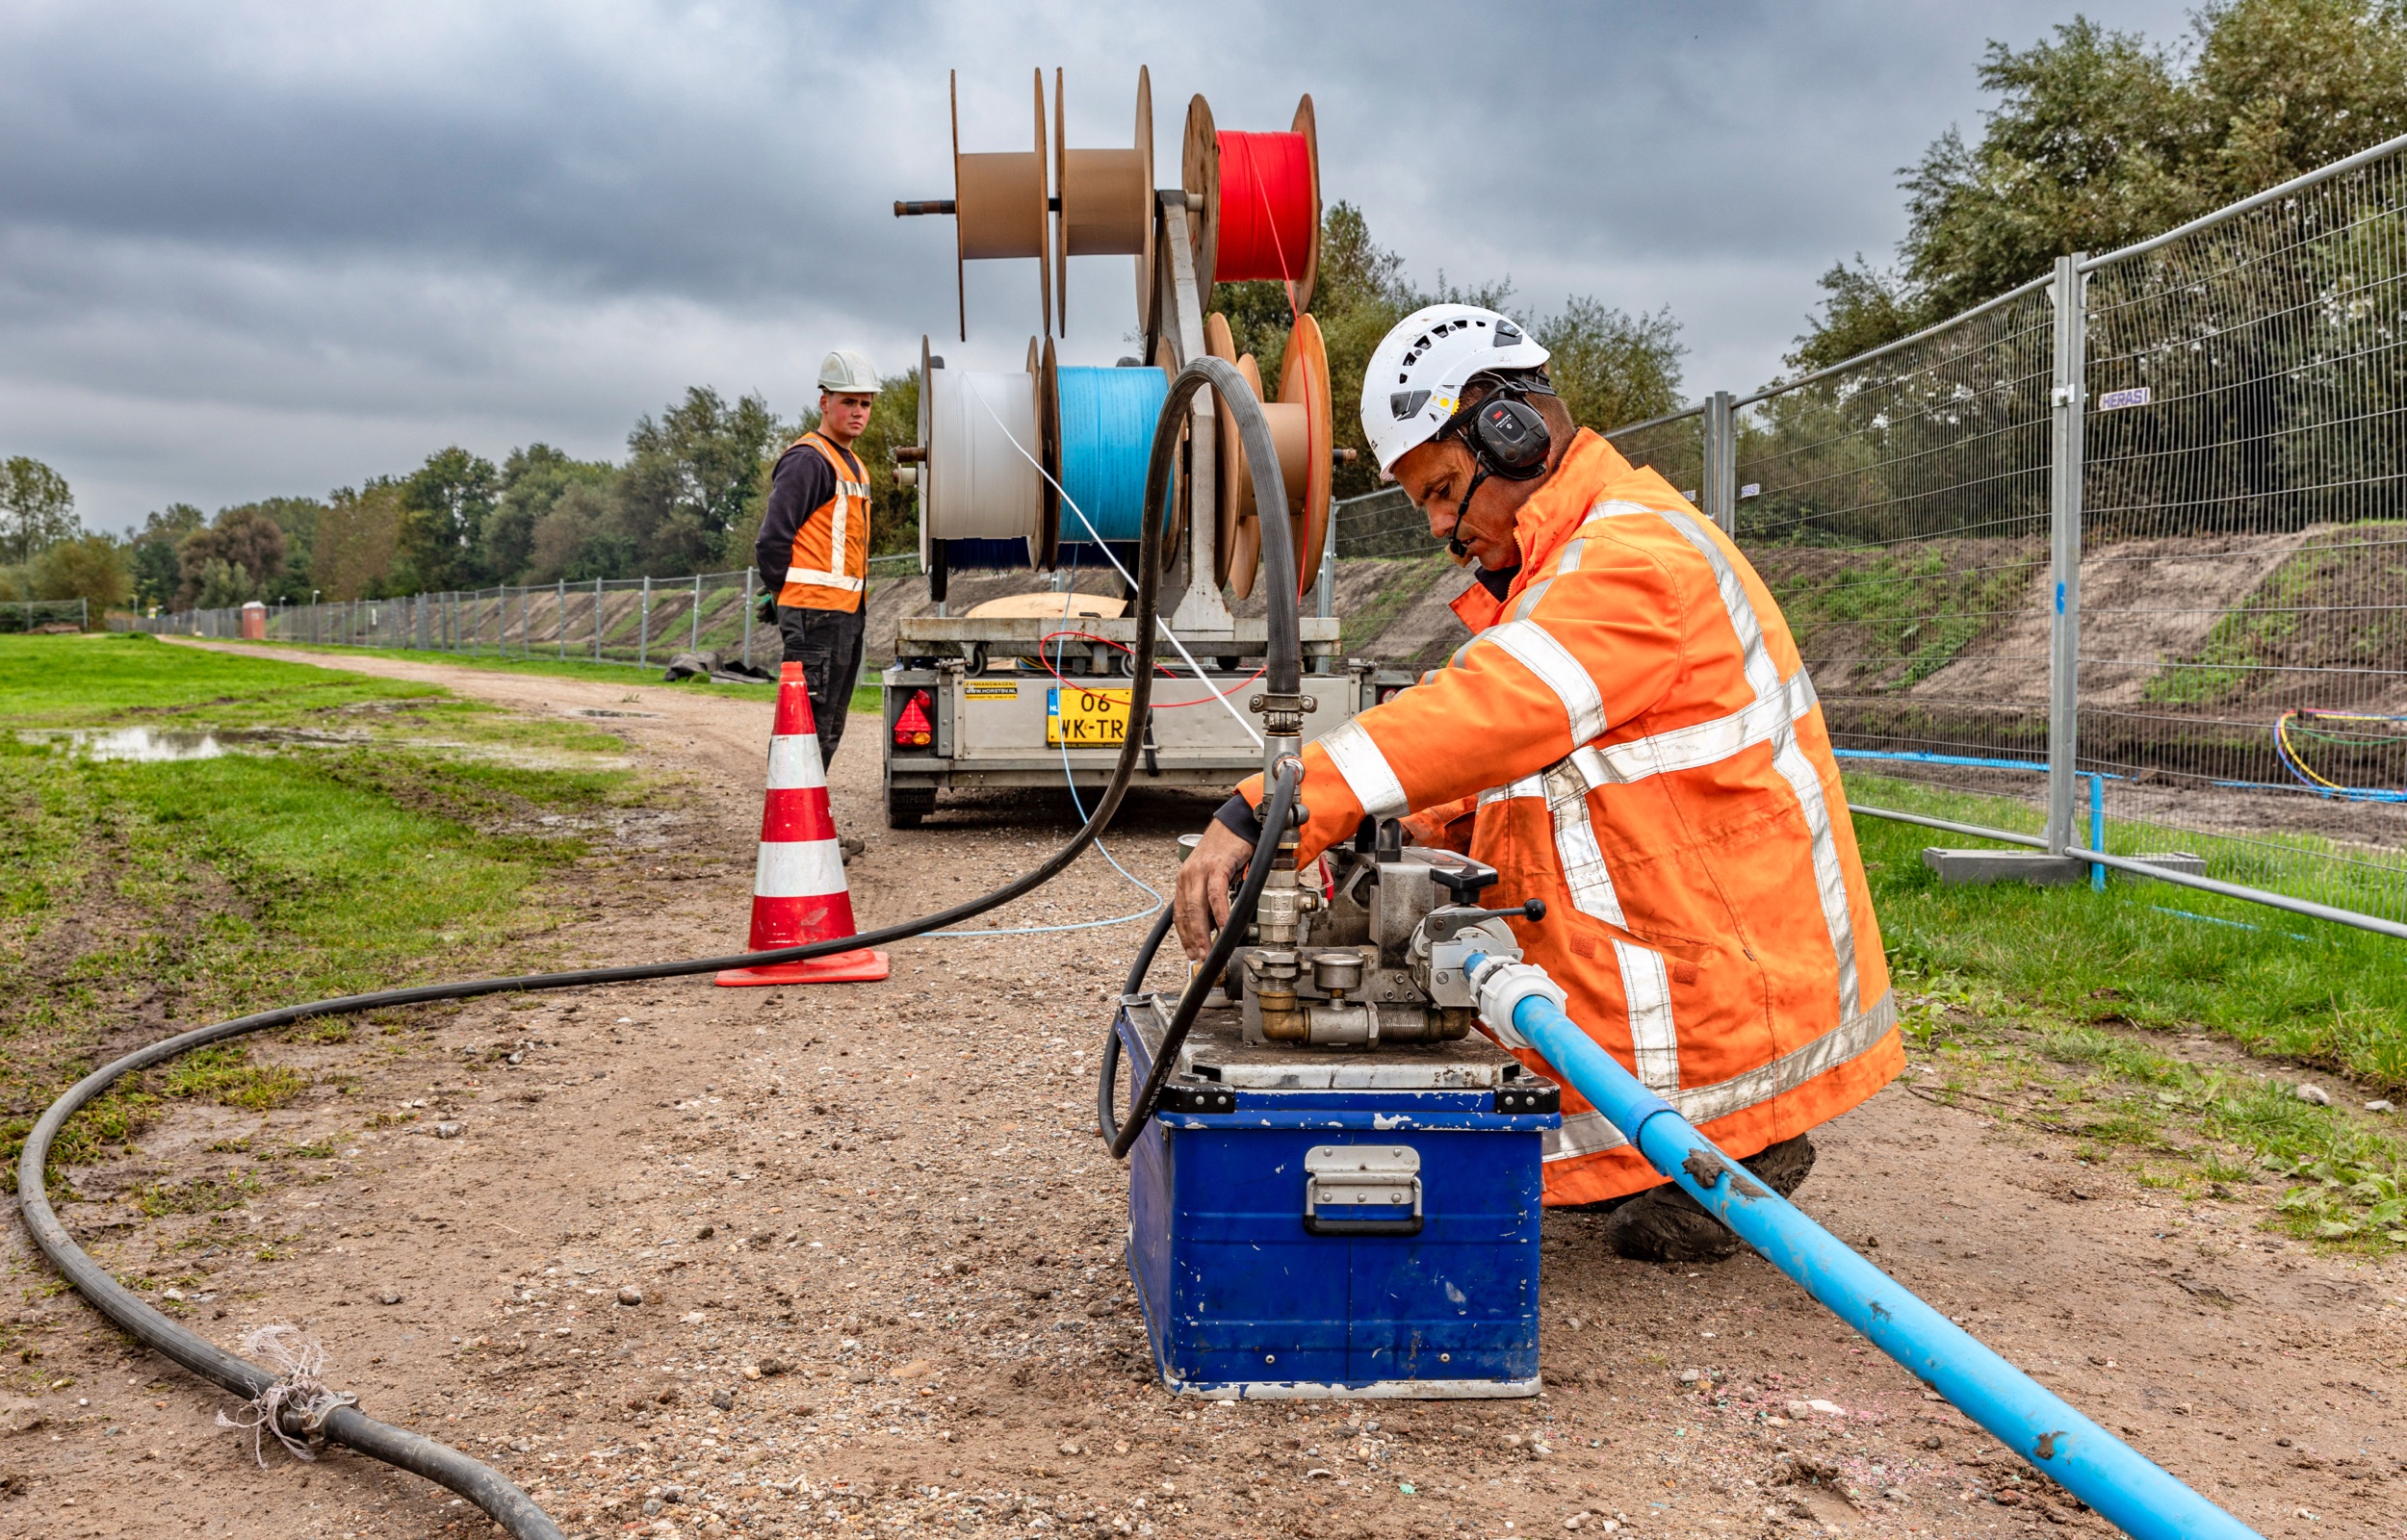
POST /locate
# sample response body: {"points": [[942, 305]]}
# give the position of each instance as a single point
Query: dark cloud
{"points": [[251, 249]]}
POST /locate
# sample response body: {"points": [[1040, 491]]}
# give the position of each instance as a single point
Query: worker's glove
{"points": [[1501, 986], [767, 610]]}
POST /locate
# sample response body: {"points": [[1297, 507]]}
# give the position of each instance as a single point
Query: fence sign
{"points": [[2136, 397]]}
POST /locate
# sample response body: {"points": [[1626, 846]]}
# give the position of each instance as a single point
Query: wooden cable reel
{"points": [[999, 207], [979, 490], [1261, 203], [1107, 203], [1301, 429]]}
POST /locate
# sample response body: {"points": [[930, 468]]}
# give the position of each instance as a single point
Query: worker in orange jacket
{"points": [[1630, 736], [814, 548]]}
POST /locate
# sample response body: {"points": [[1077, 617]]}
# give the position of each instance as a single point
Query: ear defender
{"points": [[1512, 437]]}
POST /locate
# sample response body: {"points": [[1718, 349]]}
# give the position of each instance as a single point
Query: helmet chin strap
{"points": [[1454, 536]]}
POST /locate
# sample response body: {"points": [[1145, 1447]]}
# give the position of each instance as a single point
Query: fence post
{"points": [[1325, 594], [2066, 402], [695, 645], [597, 620], [643, 626], [559, 622], [1717, 479]]}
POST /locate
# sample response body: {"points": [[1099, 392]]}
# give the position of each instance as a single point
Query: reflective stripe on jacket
{"points": [[831, 549], [1631, 736]]}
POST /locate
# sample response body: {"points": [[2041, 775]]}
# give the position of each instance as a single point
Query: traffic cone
{"points": [[798, 892]]}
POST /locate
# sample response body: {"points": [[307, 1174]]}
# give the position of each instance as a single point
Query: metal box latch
{"points": [[1362, 1190]]}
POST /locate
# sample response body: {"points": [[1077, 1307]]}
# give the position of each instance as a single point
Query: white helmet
{"points": [[1413, 384], [845, 372]]}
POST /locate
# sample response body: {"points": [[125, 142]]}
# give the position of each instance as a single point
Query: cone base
{"points": [[863, 966]]}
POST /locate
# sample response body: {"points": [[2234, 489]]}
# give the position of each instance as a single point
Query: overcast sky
{"points": [[251, 248]]}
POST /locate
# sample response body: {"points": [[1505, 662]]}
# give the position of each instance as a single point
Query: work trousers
{"points": [[827, 644]]}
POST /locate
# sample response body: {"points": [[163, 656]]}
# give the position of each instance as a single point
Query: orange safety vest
{"points": [[831, 552], [1630, 736]]}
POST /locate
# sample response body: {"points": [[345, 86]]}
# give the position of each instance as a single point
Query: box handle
{"points": [[1314, 1224], [1341, 1180]]}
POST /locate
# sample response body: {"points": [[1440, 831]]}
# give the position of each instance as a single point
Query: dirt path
{"points": [[887, 1203]]}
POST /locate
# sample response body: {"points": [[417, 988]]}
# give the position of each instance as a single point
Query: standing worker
{"points": [[1630, 736], [814, 550]]}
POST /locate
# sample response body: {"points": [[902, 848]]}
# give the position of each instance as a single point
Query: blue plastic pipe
{"points": [[2128, 1490]]}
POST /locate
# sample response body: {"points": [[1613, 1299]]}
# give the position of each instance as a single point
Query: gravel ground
{"points": [[778, 1261]]}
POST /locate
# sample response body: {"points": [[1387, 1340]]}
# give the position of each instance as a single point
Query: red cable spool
{"points": [[1261, 203]]}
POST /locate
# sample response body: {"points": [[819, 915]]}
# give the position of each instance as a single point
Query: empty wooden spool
{"points": [[1107, 203], [999, 207], [1302, 431]]}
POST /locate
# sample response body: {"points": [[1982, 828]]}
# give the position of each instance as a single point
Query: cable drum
{"points": [[1106, 419], [982, 494], [1261, 198]]}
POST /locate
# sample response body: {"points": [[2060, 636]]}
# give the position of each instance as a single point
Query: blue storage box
{"points": [[1316, 1223]]}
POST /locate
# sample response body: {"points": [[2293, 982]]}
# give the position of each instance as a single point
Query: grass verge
{"points": [[2061, 1007], [363, 832]]}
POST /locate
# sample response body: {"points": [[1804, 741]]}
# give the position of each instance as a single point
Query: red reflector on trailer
{"points": [[913, 730]]}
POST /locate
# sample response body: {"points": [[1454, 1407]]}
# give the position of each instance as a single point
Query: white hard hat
{"points": [[847, 372], [1413, 384]]}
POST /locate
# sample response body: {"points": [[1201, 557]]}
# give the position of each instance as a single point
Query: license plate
{"points": [[1086, 719]]}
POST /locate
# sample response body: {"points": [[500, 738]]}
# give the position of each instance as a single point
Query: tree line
{"points": [[2099, 139], [690, 495]]}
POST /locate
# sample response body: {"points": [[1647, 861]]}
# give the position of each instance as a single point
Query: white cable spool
{"points": [[980, 485]]}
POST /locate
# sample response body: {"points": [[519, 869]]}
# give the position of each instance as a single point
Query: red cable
{"points": [[1161, 669], [1272, 210]]}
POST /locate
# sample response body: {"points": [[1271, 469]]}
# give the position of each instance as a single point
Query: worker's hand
{"points": [[767, 610], [1202, 900]]}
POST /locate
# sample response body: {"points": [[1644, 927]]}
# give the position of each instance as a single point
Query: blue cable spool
{"points": [[1103, 427]]}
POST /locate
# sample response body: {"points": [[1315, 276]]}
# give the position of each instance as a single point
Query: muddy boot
{"points": [[1664, 1225]]}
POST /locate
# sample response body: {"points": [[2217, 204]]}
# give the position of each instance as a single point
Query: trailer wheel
{"points": [[906, 806]]}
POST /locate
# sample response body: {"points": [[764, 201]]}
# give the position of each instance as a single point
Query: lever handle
{"points": [[1532, 910]]}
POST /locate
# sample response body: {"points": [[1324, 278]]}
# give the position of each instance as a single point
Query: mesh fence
{"points": [[642, 622], [2243, 606], [1381, 523], [1898, 508], [1673, 447], [20, 615]]}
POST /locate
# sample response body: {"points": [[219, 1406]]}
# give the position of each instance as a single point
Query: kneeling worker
{"points": [[1630, 736], [814, 549]]}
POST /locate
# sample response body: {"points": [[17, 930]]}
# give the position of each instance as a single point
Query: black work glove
{"points": [[767, 611]]}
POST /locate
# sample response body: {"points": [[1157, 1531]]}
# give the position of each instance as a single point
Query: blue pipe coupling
{"points": [[1525, 1008]]}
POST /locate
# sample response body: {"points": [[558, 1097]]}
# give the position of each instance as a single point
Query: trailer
{"points": [[978, 701]]}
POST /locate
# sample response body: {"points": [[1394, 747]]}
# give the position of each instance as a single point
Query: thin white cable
{"points": [[1233, 714]]}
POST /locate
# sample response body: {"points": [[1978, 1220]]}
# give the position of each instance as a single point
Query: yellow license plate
{"points": [[1086, 719]]}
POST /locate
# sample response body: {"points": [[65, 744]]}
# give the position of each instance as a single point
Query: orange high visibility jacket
{"points": [[1630, 736], [826, 546]]}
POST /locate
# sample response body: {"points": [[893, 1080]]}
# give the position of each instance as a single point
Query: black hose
{"points": [[1276, 809], [480, 1483], [1108, 1066]]}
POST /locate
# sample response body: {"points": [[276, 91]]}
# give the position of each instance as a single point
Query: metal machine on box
{"points": [[1340, 1192]]}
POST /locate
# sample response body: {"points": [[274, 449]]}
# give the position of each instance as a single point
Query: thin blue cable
{"points": [[1079, 803]]}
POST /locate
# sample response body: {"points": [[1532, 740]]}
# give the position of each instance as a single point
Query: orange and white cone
{"points": [[798, 893]]}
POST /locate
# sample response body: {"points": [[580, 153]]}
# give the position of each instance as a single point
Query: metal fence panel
{"points": [[2243, 657], [1896, 508]]}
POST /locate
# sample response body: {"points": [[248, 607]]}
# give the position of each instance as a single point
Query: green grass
{"points": [[2241, 640], [2003, 982], [2121, 957], [1921, 610], [1407, 581], [385, 832]]}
